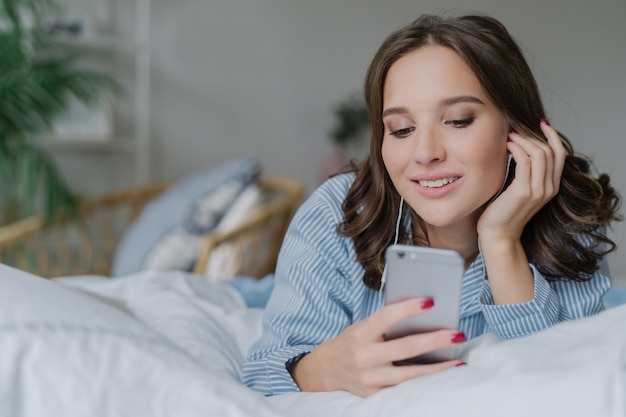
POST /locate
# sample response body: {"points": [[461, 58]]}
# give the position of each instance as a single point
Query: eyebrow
{"points": [[394, 110], [462, 99], [446, 102]]}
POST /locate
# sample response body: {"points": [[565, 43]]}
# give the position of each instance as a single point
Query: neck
{"points": [[463, 239]]}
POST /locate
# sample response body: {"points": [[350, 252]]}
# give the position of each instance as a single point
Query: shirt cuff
{"points": [[515, 320], [270, 375]]}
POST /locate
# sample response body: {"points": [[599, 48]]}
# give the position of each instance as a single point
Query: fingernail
{"points": [[427, 303], [458, 337], [513, 131], [461, 364], [545, 122]]}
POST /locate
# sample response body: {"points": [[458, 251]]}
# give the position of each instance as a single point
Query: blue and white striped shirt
{"points": [[319, 291]]}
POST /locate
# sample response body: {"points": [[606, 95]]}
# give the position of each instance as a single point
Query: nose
{"points": [[429, 147]]}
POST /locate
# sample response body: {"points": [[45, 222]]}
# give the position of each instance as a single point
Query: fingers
{"points": [[411, 346], [374, 327], [394, 375], [539, 163], [554, 140], [373, 378], [361, 341], [363, 360], [408, 347]]}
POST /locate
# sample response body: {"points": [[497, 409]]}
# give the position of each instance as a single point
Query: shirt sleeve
{"points": [[553, 302], [310, 300]]}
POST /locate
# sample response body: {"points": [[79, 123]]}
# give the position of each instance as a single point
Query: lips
{"points": [[437, 183]]}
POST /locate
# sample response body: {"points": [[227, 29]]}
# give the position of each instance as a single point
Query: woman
{"points": [[461, 142]]}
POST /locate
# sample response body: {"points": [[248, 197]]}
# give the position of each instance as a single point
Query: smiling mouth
{"points": [[437, 183]]}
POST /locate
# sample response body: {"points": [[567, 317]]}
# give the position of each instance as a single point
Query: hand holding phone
{"points": [[359, 360], [414, 271]]}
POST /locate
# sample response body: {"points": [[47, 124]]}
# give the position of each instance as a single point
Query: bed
{"points": [[171, 343]]}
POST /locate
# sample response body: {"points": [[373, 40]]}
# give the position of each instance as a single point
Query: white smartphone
{"points": [[414, 271]]}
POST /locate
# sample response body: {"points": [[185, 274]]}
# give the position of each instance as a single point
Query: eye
{"points": [[461, 123], [402, 133]]}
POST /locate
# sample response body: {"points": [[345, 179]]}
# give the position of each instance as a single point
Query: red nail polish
{"points": [[427, 303], [461, 364], [513, 131], [545, 122], [458, 338]]}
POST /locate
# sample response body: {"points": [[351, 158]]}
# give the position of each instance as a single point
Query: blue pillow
{"points": [[615, 296], [255, 292], [168, 228]]}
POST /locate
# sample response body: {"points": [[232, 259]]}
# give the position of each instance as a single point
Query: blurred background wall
{"points": [[261, 77]]}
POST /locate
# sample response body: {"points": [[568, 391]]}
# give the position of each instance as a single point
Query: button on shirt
{"points": [[319, 291]]}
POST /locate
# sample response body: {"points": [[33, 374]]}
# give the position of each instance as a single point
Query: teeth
{"points": [[437, 183]]}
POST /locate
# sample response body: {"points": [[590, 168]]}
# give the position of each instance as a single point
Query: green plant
{"points": [[37, 81], [351, 121]]}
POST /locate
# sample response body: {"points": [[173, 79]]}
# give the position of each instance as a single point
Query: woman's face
{"points": [[444, 143]]}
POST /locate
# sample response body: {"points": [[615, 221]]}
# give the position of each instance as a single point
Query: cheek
{"points": [[393, 157], [490, 147], [494, 170], [387, 156], [487, 158]]}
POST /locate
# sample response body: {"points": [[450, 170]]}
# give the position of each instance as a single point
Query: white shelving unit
{"points": [[134, 143]]}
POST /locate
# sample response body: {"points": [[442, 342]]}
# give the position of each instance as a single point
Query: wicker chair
{"points": [[86, 244]]}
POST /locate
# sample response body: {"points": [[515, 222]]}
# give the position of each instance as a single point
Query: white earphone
{"points": [[383, 279]]}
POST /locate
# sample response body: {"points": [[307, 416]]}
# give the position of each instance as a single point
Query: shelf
{"points": [[120, 52], [118, 145], [101, 43]]}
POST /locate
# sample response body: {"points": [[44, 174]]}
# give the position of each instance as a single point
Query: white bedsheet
{"points": [[171, 344]]}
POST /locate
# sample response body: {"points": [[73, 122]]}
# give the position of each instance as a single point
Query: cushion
{"points": [[224, 262], [165, 235], [615, 296]]}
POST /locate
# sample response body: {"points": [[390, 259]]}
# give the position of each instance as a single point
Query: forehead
{"points": [[430, 73]]}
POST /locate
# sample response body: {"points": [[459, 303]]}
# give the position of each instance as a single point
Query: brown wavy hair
{"points": [[564, 240]]}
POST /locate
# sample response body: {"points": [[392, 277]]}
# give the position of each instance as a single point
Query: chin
{"points": [[439, 220], [450, 213]]}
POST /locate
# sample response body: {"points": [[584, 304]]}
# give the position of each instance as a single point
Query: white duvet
{"points": [[171, 344]]}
